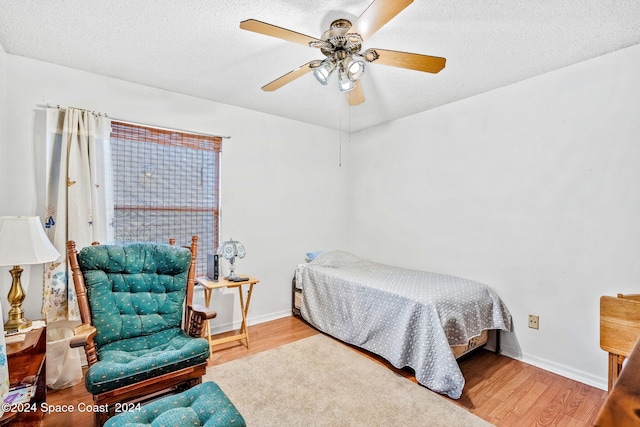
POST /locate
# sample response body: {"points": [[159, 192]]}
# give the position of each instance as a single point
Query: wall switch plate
{"points": [[534, 321]]}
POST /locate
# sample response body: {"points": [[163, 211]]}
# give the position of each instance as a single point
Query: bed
{"points": [[411, 318]]}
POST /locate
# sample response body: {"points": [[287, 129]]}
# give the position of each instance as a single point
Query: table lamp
{"points": [[231, 249], [22, 241]]}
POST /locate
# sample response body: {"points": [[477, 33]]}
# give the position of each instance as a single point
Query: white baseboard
{"points": [[556, 368], [252, 320]]}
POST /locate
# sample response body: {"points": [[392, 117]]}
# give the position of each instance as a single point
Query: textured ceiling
{"points": [[196, 47]]}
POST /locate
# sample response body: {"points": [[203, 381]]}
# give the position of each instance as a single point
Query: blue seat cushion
{"points": [[132, 360], [202, 405]]}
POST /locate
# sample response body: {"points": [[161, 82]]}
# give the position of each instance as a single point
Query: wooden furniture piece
{"points": [[622, 407], [209, 285], [27, 364], [135, 303], [619, 330]]}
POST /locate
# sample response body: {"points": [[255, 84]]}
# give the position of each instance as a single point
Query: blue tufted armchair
{"points": [[141, 334]]}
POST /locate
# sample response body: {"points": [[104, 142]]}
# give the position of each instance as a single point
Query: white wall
{"points": [[283, 191], [533, 189], [3, 124]]}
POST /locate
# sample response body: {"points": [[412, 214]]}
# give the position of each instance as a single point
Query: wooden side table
{"points": [[209, 285], [619, 330], [27, 364]]}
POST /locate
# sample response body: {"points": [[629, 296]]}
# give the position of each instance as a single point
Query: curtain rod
{"points": [[138, 123]]}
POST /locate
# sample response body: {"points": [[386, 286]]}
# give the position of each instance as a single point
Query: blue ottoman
{"points": [[202, 405]]}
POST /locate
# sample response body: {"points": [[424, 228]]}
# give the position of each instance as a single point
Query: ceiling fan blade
{"points": [[376, 15], [412, 61], [355, 96], [288, 78], [274, 31]]}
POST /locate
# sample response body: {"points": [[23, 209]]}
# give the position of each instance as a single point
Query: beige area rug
{"points": [[318, 381]]}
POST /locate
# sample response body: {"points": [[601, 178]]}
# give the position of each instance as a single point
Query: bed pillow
{"points": [[313, 255]]}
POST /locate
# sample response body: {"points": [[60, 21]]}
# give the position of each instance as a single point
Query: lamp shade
{"points": [[231, 249], [23, 241]]}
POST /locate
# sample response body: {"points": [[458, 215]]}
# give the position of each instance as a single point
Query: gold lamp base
{"points": [[15, 318]]}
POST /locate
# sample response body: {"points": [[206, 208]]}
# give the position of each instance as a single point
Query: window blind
{"points": [[166, 184]]}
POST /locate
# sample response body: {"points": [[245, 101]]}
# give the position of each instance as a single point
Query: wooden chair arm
{"points": [[82, 335], [199, 314], [203, 312]]}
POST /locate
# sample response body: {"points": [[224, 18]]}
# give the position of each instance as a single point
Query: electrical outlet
{"points": [[534, 321]]}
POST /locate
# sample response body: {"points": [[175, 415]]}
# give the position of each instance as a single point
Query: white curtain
{"points": [[79, 202]]}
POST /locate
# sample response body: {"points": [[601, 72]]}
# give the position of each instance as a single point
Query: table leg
{"points": [[207, 301], [246, 311], [243, 311], [615, 366]]}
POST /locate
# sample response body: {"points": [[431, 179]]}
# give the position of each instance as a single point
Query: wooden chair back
{"points": [[83, 300], [191, 280]]}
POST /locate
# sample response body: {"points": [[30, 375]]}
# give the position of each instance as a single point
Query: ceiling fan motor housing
{"points": [[339, 40]]}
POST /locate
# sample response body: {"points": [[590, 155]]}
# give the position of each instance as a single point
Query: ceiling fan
{"points": [[341, 44]]}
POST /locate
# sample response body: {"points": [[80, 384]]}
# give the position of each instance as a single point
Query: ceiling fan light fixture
{"points": [[354, 69], [345, 84], [323, 72]]}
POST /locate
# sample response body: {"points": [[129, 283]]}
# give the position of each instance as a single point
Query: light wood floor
{"points": [[503, 391]]}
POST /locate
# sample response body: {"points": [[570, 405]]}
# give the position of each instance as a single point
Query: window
{"points": [[166, 184]]}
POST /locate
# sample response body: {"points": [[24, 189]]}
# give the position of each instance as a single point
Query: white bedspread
{"points": [[409, 317]]}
